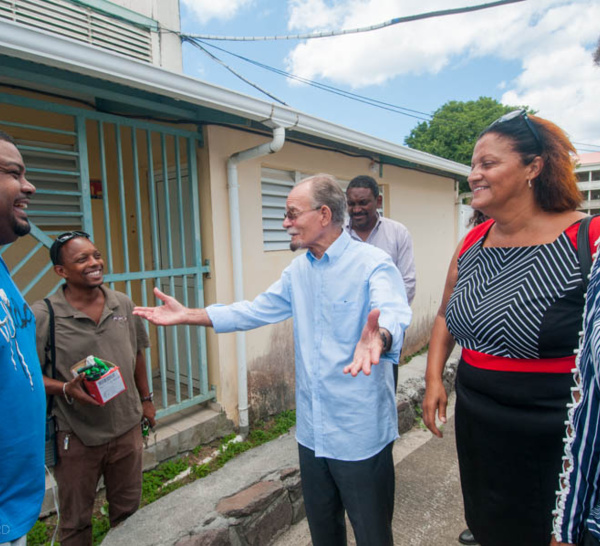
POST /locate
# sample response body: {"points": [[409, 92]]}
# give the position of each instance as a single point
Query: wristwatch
{"points": [[386, 341], [149, 398]]}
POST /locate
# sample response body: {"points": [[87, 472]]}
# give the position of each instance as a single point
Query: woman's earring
{"points": [[529, 183]]}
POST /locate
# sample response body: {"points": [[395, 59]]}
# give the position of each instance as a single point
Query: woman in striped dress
{"points": [[513, 301]]}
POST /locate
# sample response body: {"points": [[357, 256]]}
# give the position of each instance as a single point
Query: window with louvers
{"points": [[54, 170], [81, 23], [275, 186]]}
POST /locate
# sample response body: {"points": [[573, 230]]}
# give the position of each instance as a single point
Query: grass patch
{"points": [[406, 359], [419, 418], [153, 485]]}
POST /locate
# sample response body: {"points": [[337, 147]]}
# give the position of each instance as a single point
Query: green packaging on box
{"points": [[103, 379]]}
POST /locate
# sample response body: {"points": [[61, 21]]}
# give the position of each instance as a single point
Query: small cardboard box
{"points": [[106, 387]]}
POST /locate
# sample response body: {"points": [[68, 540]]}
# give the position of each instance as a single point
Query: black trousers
{"points": [[589, 540], [364, 489]]}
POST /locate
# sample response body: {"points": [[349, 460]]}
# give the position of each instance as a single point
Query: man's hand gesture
{"points": [[172, 312], [369, 348]]}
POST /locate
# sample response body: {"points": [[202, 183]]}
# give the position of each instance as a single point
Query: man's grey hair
{"points": [[7, 138], [326, 191]]}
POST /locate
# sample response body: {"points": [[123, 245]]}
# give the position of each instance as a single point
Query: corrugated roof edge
{"points": [[25, 43]]}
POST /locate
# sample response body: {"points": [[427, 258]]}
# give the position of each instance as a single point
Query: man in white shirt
{"points": [[365, 224]]}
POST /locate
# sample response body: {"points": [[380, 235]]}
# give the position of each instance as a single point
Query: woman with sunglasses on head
{"points": [[513, 301]]}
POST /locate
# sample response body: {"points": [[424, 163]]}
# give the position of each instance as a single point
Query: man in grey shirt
{"points": [[367, 225]]}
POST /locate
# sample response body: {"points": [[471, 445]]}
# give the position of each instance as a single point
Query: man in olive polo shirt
{"points": [[93, 440]]}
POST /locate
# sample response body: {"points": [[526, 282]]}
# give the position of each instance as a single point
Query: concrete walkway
{"points": [[255, 499], [428, 510]]}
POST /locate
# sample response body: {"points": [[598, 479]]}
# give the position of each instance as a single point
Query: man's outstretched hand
{"points": [[369, 348], [172, 312]]}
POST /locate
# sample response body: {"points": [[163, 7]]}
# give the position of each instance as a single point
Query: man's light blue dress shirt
{"points": [[338, 416]]}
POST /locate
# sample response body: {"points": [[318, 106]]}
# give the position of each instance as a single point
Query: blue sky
{"points": [[536, 52]]}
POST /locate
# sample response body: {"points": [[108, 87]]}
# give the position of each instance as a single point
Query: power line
{"points": [[330, 33], [423, 116], [582, 145], [235, 73]]}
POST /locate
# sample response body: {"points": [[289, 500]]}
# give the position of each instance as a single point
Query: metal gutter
{"points": [[38, 46]]}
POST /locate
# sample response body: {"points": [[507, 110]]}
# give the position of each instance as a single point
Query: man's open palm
{"points": [[368, 349]]}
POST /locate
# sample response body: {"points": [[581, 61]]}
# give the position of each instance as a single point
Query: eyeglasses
{"points": [[292, 215], [62, 239], [523, 115]]}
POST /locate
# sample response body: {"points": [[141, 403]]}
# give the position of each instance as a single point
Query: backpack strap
{"points": [[475, 234], [584, 251], [52, 352]]}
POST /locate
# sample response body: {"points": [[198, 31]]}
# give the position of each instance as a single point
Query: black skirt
{"points": [[509, 436]]}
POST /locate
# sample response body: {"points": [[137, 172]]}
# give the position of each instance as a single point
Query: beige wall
{"points": [[423, 202]]}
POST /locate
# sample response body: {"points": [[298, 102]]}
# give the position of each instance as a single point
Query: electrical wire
{"points": [[583, 145], [423, 116], [330, 33], [237, 74]]}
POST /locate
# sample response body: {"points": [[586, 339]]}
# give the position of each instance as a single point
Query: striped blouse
{"points": [[578, 501], [517, 302]]}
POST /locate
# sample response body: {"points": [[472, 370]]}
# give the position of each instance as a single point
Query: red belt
{"points": [[563, 364]]}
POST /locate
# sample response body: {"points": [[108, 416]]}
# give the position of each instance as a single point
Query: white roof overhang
{"points": [[25, 43]]}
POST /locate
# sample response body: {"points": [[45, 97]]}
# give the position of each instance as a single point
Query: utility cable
{"points": [[238, 75], [330, 33], [582, 145], [423, 116]]}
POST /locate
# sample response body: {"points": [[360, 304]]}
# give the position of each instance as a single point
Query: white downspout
{"points": [[236, 250]]}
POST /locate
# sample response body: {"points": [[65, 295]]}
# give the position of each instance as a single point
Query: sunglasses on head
{"points": [[62, 239], [68, 235], [522, 114]]}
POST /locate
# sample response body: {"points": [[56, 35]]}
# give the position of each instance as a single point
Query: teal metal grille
{"points": [[133, 186]]}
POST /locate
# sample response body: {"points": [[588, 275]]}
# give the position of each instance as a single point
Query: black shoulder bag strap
{"points": [[52, 353], [583, 249]]}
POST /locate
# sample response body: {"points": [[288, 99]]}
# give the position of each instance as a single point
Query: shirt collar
{"points": [[64, 309], [375, 227], [335, 250]]}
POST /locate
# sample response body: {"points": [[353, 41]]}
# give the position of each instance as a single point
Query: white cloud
{"points": [[205, 10], [552, 39]]}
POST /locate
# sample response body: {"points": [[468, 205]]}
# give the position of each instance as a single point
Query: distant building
{"points": [[588, 173]]}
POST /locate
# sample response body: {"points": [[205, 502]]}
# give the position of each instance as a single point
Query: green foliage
{"points": [[153, 486], [100, 527], [228, 438], [201, 470], [454, 128], [419, 418], [406, 359], [284, 421], [154, 479], [38, 535], [258, 437]]}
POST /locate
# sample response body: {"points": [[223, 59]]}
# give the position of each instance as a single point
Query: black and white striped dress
{"points": [[516, 312]]}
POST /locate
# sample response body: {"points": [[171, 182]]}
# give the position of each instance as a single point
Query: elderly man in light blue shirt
{"points": [[350, 311]]}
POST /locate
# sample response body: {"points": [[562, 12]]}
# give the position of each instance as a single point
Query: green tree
{"points": [[453, 129]]}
